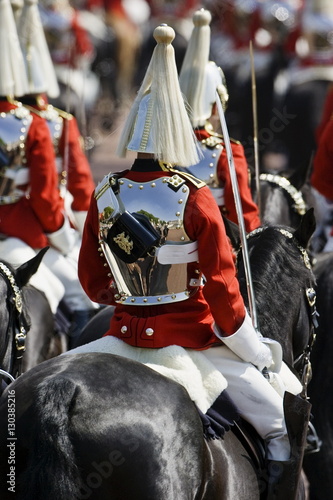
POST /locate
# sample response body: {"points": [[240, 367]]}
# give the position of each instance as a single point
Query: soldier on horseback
{"points": [[75, 177], [155, 248], [199, 80], [32, 209]]}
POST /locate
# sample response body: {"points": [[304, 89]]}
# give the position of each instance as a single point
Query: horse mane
{"points": [[278, 274]]}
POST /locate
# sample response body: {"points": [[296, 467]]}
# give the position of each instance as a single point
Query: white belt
{"points": [[20, 176], [177, 253]]}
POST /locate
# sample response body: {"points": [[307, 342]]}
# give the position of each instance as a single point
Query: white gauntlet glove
{"points": [[63, 239], [249, 346]]}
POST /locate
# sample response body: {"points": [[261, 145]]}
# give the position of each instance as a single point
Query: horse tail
{"points": [[52, 472]]}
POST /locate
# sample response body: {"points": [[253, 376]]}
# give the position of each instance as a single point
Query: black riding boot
{"points": [[282, 480], [283, 477]]}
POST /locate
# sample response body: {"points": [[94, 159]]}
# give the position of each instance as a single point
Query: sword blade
{"points": [[239, 211]]}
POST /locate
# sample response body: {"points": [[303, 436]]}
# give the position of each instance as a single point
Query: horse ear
{"points": [[306, 228], [29, 268], [232, 231]]}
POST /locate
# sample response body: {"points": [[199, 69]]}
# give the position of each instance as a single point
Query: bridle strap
{"points": [[16, 316], [306, 370]]}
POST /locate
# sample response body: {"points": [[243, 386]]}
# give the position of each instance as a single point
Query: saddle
{"points": [[251, 441]]}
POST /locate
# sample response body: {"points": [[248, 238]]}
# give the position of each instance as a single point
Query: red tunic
{"points": [[41, 210], [80, 182], [250, 209], [326, 114], [188, 323], [322, 174]]}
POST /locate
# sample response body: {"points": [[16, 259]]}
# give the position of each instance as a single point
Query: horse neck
{"points": [[279, 282]]}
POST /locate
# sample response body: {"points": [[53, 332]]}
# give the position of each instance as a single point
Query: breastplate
{"points": [[206, 169], [164, 277], [14, 128]]}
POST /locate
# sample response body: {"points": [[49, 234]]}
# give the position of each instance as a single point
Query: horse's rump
{"points": [[132, 433]]}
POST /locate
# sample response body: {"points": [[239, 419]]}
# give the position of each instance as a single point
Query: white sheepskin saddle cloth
{"points": [[190, 368]]}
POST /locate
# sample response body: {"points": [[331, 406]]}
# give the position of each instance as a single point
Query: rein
{"points": [[18, 321], [299, 205], [305, 372]]}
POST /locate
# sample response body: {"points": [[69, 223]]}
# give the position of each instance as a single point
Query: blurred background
{"points": [[101, 49]]}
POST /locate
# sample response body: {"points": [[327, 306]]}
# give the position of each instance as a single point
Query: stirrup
{"points": [[313, 442]]}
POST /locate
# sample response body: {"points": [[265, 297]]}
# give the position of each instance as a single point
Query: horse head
{"points": [[283, 280], [14, 317]]}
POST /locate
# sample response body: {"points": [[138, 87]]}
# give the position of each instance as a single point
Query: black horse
{"points": [[284, 198], [41, 341], [281, 201], [100, 426], [18, 297], [318, 466]]}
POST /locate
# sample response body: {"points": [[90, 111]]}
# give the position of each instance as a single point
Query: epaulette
{"points": [[212, 141], [51, 114], [21, 112], [33, 110]]}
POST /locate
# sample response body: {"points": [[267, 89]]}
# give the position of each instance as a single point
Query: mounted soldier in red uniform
{"points": [[155, 248], [199, 80]]}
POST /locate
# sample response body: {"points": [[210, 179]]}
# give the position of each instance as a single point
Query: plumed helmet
{"points": [[39, 65], [158, 122], [200, 78], [17, 6], [13, 80]]}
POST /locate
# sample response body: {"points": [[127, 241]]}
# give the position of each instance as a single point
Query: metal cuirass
{"points": [[14, 128], [206, 169], [163, 276]]}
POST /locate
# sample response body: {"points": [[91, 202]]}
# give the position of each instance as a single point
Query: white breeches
{"points": [[65, 269], [255, 398], [56, 276], [16, 252]]}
